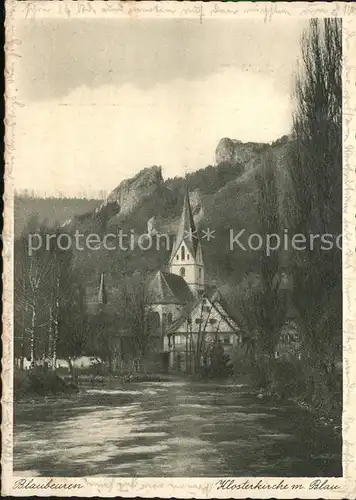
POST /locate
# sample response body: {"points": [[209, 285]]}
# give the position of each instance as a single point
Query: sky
{"points": [[103, 99]]}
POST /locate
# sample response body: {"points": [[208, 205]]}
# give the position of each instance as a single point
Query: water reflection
{"points": [[163, 429]]}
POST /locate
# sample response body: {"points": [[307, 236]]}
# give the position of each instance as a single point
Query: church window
{"points": [[198, 321], [177, 257], [183, 252], [170, 318], [187, 256], [199, 272], [154, 321], [212, 321], [182, 271]]}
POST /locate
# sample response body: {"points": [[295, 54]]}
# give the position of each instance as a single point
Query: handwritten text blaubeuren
{"points": [[30, 484]]}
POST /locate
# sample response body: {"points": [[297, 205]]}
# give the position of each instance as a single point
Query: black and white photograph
{"points": [[177, 252]]}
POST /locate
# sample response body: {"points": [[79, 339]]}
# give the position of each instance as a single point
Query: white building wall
{"points": [[208, 321], [183, 264]]}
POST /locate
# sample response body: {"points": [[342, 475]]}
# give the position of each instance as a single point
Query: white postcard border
{"points": [[345, 487]]}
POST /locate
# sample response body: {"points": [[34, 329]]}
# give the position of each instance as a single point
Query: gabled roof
{"points": [[167, 288], [216, 304], [229, 311], [187, 230], [184, 316]]}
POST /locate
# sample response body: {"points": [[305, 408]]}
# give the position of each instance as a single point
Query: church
{"points": [[191, 319]]}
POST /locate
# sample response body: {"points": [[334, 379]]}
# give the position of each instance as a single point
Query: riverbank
{"points": [[46, 383], [328, 416], [303, 385]]}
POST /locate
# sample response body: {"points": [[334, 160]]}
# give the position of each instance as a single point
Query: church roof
{"points": [[187, 230], [167, 288]]}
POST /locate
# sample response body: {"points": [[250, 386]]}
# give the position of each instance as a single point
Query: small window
{"points": [[177, 339], [183, 252], [212, 321], [170, 318], [206, 309], [182, 271], [188, 256], [177, 257], [226, 340], [198, 321], [199, 272]]}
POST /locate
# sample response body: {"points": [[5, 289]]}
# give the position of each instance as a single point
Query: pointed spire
{"points": [[187, 230], [102, 297]]}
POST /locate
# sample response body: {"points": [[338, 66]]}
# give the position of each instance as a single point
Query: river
{"points": [[170, 429]]}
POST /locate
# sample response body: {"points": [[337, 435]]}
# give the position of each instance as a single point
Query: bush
{"points": [[287, 379], [40, 382]]}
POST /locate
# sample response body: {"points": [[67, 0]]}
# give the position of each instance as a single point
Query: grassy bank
{"points": [[308, 387]]}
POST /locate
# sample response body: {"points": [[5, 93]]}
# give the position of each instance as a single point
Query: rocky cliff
{"points": [[131, 193], [234, 151], [147, 202], [223, 198], [124, 200]]}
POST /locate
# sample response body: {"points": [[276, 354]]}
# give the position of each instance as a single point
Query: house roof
{"points": [[187, 230], [184, 316], [231, 313], [167, 288], [216, 303]]}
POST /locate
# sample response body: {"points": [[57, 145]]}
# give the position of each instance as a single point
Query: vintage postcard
{"points": [[179, 250]]}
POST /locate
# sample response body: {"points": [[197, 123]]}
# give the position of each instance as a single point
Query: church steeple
{"points": [[187, 230], [102, 296], [186, 257]]}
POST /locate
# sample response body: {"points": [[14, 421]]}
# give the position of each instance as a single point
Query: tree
{"points": [[72, 325], [137, 315], [268, 300], [62, 295], [33, 271], [315, 193], [43, 290]]}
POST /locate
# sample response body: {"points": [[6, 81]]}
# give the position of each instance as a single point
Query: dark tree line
{"points": [[53, 319], [311, 205], [315, 207]]}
